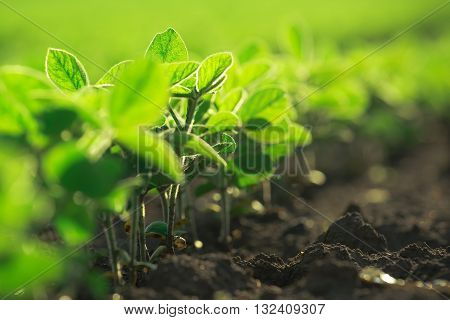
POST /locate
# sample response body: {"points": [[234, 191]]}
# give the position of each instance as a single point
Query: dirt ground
{"points": [[382, 234]]}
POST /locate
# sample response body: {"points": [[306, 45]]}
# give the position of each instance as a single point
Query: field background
{"points": [[109, 31]]}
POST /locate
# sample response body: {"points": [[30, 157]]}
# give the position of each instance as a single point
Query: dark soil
{"points": [[358, 238]]}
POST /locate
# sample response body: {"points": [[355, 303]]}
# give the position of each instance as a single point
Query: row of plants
{"points": [[147, 126], [82, 156]]}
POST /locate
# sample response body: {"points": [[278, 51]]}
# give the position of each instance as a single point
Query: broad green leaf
{"points": [[54, 121], [244, 180], [17, 84], [69, 167], [156, 152], [295, 42], [252, 50], [347, 100], [271, 134], [114, 73], [202, 110], [199, 146], [284, 131], [222, 121], [167, 46], [179, 89], [212, 70], [17, 188], [217, 85], [159, 179], [266, 104], [65, 70], [280, 150], [250, 158], [226, 145], [253, 162], [140, 98], [189, 82], [295, 136], [158, 229], [179, 71], [232, 100], [252, 72], [74, 223]]}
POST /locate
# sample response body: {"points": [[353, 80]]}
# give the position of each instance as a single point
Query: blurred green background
{"points": [[109, 31]]}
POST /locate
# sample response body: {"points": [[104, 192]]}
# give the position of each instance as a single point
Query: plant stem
{"points": [[225, 214], [190, 213], [171, 218], [181, 203], [164, 203], [142, 245], [192, 104], [267, 194], [175, 118], [134, 216], [112, 249]]}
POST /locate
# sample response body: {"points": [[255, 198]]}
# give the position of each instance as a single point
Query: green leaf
{"points": [[281, 132], [266, 104], [74, 223], [212, 70], [199, 146], [271, 134], [244, 180], [68, 166], [253, 162], [140, 98], [167, 46], [156, 152], [178, 71], [179, 89], [223, 121], [65, 70], [294, 135], [295, 41], [17, 105], [226, 145], [202, 110], [54, 121], [250, 159], [251, 51], [114, 73], [232, 100], [252, 72], [158, 229]]}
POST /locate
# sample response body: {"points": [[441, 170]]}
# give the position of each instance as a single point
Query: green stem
{"points": [[164, 204], [192, 104], [142, 245], [171, 218], [175, 118], [181, 203], [134, 216], [267, 194], [225, 214], [112, 249]]}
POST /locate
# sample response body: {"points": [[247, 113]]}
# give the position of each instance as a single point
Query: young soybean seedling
{"points": [[120, 110], [159, 230], [244, 130], [191, 83]]}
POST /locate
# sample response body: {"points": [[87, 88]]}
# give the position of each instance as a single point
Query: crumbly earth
{"points": [[358, 238]]}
